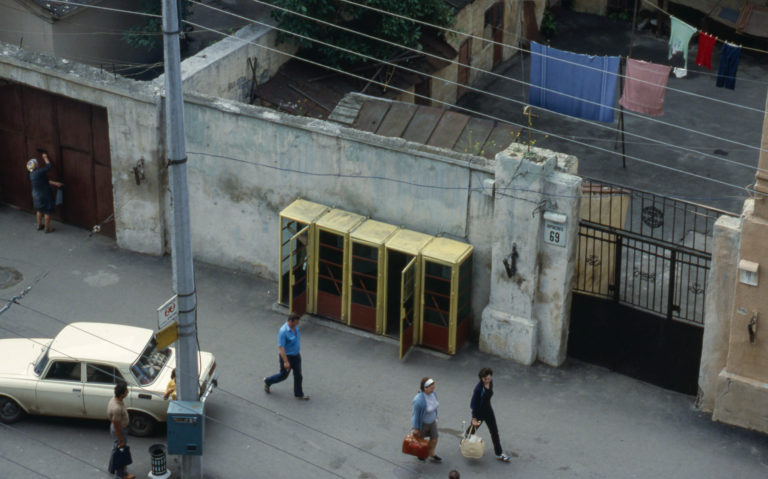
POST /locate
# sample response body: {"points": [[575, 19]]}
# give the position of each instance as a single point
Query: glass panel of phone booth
{"points": [[447, 282], [400, 249], [294, 217], [407, 307], [436, 316], [364, 286], [332, 270], [367, 287], [298, 272]]}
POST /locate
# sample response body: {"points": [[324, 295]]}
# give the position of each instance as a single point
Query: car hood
{"points": [[18, 355]]}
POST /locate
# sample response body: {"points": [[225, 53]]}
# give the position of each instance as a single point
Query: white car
{"points": [[74, 374]]}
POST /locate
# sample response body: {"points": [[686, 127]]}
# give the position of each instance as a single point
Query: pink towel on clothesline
{"points": [[644, 87], [706, 46]]}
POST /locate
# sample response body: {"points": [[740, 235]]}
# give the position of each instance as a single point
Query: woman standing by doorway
{"points": [[42, 195]]}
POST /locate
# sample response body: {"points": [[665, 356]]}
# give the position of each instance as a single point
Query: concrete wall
{"points": [[88, 35], [718, 307], [598, 7], [222, 70], [132, 111], [471, 20], [247, 163], [25, 24]]}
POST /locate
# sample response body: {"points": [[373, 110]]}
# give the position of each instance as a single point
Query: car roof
{"points": [[114, 343]]}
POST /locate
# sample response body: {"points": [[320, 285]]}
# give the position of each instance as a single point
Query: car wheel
{"points": [[141, 425], [10, 411]]}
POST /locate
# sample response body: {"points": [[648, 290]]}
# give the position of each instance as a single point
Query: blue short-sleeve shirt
{"points": [[289, 340]]}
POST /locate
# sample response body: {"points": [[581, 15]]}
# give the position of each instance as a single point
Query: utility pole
{"points": [[183, 270]]}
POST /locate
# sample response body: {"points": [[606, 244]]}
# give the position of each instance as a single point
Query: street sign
{"points": [[555, 229], [167, 336], [168, 312]]}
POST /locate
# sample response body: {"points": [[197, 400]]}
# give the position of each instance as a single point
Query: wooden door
{"points": [[462, 76]]}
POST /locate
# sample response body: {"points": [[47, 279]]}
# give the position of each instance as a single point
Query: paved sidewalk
{"points": [[577, 421]]}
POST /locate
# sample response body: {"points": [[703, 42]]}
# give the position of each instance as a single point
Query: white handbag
{"points": [[472, 446]]}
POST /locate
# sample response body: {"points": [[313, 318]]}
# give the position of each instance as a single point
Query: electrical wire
{"points": [[702, 31], [446, 103], [510, 46], [501, 97], [640, 160]]}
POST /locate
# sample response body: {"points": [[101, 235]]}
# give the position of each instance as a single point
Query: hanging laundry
{"points": [[679, 37], [578, 85], [644, 87], [704, 54], [729, 62]]}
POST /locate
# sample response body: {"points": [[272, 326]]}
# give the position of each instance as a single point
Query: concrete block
{"points": [[508, 336], [741, 402], [718, 307]]}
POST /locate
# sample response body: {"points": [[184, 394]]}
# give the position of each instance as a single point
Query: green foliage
{"points": [[149, 34], [393, 29], [548, 24]]}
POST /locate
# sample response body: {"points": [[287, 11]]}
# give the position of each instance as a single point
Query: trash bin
{"points": [[159, 466]]}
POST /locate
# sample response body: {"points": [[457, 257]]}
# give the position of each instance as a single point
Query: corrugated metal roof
{"points": [[424, 124]]}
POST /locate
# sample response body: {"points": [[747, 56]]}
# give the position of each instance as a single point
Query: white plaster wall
{"points": [[221, 70], [134, 133], [264, 160]]}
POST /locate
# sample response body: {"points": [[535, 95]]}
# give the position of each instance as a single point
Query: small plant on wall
{"points": [[548, 25]]}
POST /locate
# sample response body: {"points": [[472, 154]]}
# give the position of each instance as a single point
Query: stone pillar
{"points": [[525, 189], [718, 306], [742, 386]]}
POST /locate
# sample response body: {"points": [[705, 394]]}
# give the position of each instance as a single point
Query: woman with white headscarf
{"points": [[424, 417]]}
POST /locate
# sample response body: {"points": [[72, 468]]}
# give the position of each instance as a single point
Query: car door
{"points": [[99, 388], [60, 391]]}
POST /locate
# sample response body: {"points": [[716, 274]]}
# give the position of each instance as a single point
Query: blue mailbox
{"points": [[186, 428]]}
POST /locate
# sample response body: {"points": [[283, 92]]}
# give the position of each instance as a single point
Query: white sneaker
{"points": [[503, 457]]}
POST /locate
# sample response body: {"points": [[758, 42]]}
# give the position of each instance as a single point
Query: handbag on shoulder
{"points": [[416, 446], [472, 446]]}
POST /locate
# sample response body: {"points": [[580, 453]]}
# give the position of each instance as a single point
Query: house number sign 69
{"points": [[555, 228]]}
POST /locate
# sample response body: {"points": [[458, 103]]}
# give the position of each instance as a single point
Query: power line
{"points": [[469, 87], [640, 160], [443, 102]]}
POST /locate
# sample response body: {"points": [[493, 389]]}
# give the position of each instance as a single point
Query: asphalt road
{"points": [[577, 421]]}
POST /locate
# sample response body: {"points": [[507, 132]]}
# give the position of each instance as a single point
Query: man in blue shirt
{"points": [[288, 344]]}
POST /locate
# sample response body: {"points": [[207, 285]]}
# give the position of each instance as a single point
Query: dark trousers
{"points": [[295, 362], [490, 420]]}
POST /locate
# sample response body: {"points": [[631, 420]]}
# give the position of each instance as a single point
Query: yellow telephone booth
{"points": [[446, 294], [333, 230], [402, 282], [366, 294], [297, 228]]}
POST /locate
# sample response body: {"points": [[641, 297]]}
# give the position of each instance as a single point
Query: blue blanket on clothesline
{"points": [[578, 85]]}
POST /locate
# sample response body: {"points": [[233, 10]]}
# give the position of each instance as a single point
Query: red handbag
{"points": [[416, 446]]}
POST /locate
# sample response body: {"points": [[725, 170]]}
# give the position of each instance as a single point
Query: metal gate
{"points": [[645, 251]]}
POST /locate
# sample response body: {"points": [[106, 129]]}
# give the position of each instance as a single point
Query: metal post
{"points": [[183, 272]]}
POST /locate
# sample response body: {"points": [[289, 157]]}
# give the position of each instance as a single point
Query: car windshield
{"points": [[42, 361], [150, 363]]}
